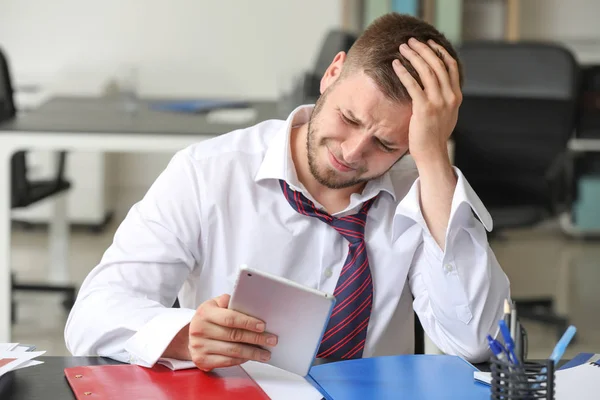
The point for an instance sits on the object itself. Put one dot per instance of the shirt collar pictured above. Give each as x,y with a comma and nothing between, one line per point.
278,163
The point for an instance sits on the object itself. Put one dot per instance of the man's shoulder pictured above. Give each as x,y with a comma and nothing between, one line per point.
251,141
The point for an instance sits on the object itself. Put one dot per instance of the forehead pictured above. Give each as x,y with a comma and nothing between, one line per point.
360,95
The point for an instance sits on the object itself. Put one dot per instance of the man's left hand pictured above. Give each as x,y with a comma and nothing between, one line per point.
434,107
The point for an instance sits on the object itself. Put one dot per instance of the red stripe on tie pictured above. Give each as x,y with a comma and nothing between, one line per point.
355,350
350,298
299,204
353,219
359,250
350,233
346,339
340,288
348,319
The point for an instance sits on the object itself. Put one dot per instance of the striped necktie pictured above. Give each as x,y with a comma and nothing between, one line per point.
347,328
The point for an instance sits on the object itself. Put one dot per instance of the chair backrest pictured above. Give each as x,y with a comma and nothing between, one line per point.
7,105
519,110
334,42
19,183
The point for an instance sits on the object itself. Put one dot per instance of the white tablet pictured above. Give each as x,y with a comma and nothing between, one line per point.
298,315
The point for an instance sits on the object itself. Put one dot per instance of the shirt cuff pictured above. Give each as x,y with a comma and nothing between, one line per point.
465,202
151,341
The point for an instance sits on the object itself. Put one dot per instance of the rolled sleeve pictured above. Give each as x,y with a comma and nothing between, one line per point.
459,291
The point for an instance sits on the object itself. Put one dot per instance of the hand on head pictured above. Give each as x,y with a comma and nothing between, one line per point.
435,105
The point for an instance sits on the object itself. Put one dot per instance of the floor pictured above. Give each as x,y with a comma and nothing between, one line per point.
538,262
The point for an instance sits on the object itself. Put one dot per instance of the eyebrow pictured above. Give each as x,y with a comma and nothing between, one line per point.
357,120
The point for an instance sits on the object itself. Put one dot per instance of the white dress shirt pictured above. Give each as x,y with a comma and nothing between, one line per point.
219,205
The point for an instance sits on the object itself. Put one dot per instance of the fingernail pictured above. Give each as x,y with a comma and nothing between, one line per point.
271,340
260,326
265,356
403,46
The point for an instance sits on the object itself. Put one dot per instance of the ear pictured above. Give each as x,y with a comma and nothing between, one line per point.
333,72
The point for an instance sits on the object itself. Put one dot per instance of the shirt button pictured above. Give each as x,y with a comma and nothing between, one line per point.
448,268
328,273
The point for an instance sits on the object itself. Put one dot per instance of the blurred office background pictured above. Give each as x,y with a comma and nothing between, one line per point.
257,50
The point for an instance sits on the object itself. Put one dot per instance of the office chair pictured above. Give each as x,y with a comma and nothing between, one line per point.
519,110
26,192
334,42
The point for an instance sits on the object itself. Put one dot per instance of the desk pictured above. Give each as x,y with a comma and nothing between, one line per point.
47,381
95,124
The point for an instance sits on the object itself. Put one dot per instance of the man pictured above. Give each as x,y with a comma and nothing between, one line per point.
326,198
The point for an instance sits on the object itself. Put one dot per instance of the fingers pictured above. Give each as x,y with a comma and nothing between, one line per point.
433,60
213,331
238,350
229,318
208,362
426,73
450,63
412,86
222,301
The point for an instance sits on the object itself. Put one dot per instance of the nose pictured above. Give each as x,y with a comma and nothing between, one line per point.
353,148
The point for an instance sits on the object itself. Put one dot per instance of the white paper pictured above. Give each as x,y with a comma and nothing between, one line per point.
279,384
485,377
19,358
581,382
30,363
8,346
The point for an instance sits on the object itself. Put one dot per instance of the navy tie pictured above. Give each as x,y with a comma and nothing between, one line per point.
347,328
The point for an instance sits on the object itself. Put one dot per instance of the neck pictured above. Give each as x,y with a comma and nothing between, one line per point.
334,200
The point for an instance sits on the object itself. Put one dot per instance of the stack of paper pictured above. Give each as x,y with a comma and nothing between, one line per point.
14,356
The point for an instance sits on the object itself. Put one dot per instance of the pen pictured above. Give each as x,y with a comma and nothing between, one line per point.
513,322
562,344
497,349
559,350
519,343
510,345
507,314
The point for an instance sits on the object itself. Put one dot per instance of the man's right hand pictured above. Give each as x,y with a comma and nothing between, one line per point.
220,337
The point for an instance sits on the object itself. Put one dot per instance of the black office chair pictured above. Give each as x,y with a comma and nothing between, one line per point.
518,113
26,192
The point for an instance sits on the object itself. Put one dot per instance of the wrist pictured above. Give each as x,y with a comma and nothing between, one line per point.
179,346
432,160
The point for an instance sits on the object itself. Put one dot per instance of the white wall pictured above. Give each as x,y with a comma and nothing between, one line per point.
232,48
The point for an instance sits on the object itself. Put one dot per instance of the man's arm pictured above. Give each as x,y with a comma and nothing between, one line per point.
130,293
459,291
458,286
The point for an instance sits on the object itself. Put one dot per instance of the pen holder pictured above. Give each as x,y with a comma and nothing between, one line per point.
529,380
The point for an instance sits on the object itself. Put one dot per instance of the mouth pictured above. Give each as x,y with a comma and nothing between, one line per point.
337,164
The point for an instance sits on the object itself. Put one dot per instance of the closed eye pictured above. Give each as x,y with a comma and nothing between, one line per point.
348,120
384,147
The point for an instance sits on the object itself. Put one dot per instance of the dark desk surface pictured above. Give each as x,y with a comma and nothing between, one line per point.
108,116
47,381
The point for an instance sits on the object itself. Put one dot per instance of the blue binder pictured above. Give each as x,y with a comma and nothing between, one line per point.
579,359
415,377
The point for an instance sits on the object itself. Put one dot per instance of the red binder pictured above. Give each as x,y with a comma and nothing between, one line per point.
109,382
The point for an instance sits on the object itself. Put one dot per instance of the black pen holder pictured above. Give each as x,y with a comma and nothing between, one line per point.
529,380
